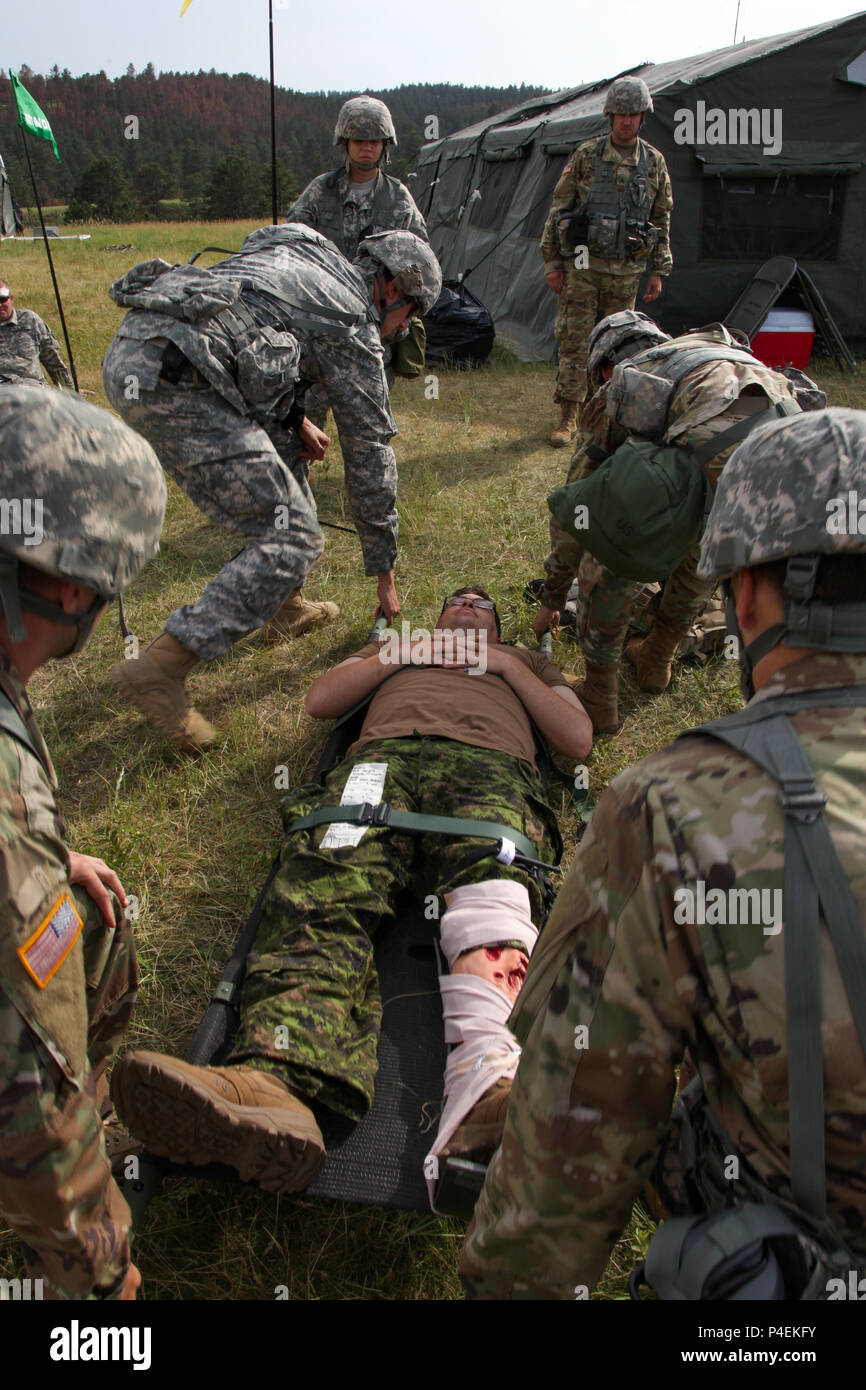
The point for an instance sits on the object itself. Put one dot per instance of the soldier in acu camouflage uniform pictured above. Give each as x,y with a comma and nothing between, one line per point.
709,399
613,202
627,979
207,365
25,342
67,963
357,200
441,743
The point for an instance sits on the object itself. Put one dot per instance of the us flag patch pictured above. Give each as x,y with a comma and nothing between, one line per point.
51,942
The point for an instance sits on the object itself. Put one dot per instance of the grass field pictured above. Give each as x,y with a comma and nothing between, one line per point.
193,838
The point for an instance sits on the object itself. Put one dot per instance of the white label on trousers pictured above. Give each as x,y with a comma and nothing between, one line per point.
366,782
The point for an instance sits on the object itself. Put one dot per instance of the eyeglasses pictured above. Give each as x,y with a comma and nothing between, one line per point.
4,295
467,601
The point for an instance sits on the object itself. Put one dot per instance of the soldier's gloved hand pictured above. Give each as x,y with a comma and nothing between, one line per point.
545,618
315,442
96,878
556,280
388,600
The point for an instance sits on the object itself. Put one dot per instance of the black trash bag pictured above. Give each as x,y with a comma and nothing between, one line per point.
460,331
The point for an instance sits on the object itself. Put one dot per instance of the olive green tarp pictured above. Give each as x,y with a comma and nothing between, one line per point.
799,189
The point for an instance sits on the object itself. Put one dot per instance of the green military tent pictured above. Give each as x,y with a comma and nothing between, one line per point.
766,146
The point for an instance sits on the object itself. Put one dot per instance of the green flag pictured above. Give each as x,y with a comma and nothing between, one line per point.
29,114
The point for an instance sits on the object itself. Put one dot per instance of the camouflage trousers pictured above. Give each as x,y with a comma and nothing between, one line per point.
312,974
241,476
586,297
605,601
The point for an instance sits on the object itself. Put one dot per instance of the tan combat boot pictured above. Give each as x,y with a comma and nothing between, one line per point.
652,656
154,684
295,617
481,1131
239,1116
598,692
565,430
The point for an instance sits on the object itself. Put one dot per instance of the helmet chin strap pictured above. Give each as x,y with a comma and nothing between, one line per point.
13,599
756,651
818,626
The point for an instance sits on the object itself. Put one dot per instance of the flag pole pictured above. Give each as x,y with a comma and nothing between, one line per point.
273,117
50,262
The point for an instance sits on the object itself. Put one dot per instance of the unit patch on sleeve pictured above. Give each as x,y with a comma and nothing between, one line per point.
52,941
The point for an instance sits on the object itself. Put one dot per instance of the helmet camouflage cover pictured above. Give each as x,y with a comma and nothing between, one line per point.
365,118
627,95
410,262
91,491
620,336
786,491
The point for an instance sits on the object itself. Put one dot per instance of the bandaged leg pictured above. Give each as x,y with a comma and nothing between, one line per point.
487,935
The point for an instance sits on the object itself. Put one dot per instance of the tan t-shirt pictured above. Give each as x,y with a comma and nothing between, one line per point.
433,701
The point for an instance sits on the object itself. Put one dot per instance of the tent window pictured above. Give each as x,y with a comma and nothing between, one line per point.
855,71
792,215
533,223
497,184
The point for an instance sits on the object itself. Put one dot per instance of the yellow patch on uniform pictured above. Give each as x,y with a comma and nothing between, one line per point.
52,941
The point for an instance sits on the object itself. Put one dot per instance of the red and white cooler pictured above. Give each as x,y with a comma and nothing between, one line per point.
785,339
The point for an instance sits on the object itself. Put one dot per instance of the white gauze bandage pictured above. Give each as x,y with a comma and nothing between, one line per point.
474,1010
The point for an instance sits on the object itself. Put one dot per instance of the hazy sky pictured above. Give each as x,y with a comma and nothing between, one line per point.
339,45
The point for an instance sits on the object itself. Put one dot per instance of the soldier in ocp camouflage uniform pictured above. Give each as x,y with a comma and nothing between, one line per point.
705,402
443,740
25,342
613,201
627,979
67,963
206,366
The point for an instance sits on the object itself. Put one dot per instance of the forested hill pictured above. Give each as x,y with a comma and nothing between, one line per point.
188,124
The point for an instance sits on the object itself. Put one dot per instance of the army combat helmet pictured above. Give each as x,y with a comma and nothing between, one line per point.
627,95
84,499
794,490
365,118
410,262
620,336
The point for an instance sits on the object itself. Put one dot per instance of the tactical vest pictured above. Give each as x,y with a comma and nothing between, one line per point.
233,322
642,388
739,1240
615,225
331,202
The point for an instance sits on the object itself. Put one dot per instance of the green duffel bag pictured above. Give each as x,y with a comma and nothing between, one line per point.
640,512
407,354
